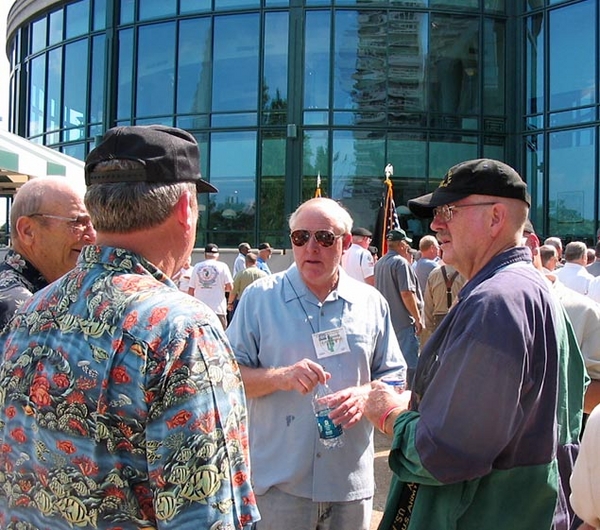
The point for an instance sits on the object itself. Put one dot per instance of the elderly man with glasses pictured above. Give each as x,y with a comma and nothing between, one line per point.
292,331
496,404
49,225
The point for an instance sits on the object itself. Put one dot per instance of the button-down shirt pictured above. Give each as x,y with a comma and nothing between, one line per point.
122,406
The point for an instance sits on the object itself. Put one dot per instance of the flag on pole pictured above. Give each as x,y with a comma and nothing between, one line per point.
388,217
318,190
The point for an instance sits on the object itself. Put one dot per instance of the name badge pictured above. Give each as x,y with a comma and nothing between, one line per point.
330,342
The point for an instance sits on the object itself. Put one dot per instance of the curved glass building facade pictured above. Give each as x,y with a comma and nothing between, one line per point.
278,92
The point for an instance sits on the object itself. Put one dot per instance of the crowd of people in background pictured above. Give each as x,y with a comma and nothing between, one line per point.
140,389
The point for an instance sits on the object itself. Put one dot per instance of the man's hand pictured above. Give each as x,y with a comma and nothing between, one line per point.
348,405
302,376
384,405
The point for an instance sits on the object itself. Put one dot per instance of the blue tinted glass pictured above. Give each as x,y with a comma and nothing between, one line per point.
127,11
274,94
78,18
573,55
535,51
494,73
235,176
156,8
38,35
99,21
37,95
222,5
235,63
125,75
194,66
316,60
74,99
97,79
55,31
156,70
194,6
53,100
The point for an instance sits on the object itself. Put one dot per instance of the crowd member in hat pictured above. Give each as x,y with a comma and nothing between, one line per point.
243,279
210,281
240,260
491,405
396,280
556,242
264,254
121,403
357,261
291,331
49,225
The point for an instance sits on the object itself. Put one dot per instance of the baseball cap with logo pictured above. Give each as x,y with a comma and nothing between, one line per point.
398,235
211,248
482,176
360,231
167,154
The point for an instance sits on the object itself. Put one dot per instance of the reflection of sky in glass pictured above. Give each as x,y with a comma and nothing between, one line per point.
276,58
572,55
235,176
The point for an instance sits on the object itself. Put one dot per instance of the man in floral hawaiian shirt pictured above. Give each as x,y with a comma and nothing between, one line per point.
121,405
48,227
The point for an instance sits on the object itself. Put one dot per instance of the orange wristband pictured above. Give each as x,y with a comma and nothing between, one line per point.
385,416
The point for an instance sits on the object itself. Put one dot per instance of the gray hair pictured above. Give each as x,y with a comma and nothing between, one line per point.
126,207
575,250
335,209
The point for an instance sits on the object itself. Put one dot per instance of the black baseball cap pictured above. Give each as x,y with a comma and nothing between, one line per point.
264,246
360,231
211,248
482,176
168,155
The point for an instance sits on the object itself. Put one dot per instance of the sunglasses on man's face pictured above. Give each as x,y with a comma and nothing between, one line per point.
325,238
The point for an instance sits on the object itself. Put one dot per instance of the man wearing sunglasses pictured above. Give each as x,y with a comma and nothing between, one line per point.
313,324
496,395
49,225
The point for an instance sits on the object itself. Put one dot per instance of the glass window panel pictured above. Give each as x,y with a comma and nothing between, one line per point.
358,173
316,60
407,52
493,147
454,68
350,61
407,153
463,4
447,150
240,119
194,6
315,154
194,66
75,150
234,207
272,182
157,8
38,35
222,5
572,188
37,95
97,79
99,21
156,70
74,99
236,53
127,11
494,73
275,70
277,3
316,118
534,175
534,67
78,18
495,6
125,74
193,122
573,55
53,97
55,31
573,117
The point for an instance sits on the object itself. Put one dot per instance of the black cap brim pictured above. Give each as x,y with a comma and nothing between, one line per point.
423,206
205,187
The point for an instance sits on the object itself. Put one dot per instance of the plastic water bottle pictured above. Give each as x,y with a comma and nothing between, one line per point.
331,435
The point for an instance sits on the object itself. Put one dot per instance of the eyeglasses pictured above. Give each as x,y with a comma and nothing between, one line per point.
76,224
446,211
325,238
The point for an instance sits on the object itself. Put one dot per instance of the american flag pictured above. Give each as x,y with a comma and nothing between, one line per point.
387,217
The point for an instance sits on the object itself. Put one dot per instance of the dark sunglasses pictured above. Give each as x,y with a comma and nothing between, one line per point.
325,238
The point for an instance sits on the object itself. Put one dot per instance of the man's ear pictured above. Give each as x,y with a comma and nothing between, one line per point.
347,242
185,209
26,229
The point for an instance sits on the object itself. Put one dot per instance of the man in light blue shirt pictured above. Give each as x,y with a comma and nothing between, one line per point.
291,331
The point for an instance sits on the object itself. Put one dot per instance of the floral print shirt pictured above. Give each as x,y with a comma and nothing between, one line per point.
19,279
121,406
